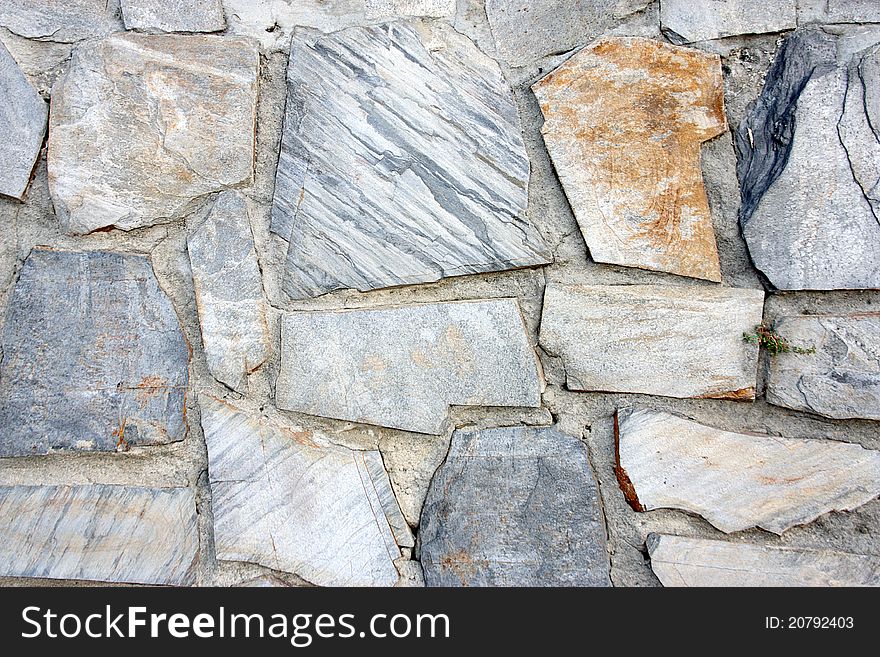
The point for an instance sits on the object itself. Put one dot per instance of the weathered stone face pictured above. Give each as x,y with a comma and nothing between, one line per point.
402,162
290,500
23,116
680,561
804,149
737,481
624,121
839,11
403,366
142,125
687,21
841,379
229,292
122,534
669,341
93,356
173,15
434,8
59,20
514,507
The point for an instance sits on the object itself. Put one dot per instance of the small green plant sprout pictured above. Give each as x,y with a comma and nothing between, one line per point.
774,343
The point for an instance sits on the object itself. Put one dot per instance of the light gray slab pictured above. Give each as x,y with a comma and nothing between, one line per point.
735,480
93,356
841,379
141,125
680,561
656,340
229,292
23,118
402,162
839,11
60,20
429,8
122,534
173,15
288,499
686,21
514,507
403,366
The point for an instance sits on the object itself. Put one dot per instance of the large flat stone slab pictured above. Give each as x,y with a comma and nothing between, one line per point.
141,125
93,356
173,15
404,366
229,292
680,561
59,20
808,168
687,21
737,481
841,379
121,534
514,506
839,11
290,500
23,118
623,122
402,162
655,340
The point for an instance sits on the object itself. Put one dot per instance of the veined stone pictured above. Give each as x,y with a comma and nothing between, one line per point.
737,481
526,30
802,148
841,379
141,125
655,340
679,561
403,366
59,20
624,121
402,162
288,499
93,356
514,507
123,534
431,8
23,116
174,15
839,11
229,292
690,21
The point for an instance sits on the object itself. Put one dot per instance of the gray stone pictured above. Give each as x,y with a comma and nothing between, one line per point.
807,221
431,8
686,21
841,379
680,561
229,292
838,11
403,366
121,534
93,356
23,117
401,162
141,125
526,30
735,480
288,499
411,461
60,20
514,507
174,15
655,340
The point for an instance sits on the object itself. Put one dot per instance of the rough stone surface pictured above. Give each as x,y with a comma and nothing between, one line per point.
290,500
434,8
229,292
23,117
411,460
680,561
143,124
839,11
122,534
841,379
514,507
670,341
402,367
625,118
93,356
59,20
526,30
807,221
737,481
401,162
173,15
686,21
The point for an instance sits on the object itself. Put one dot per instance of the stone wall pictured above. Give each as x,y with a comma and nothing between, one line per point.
395,292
